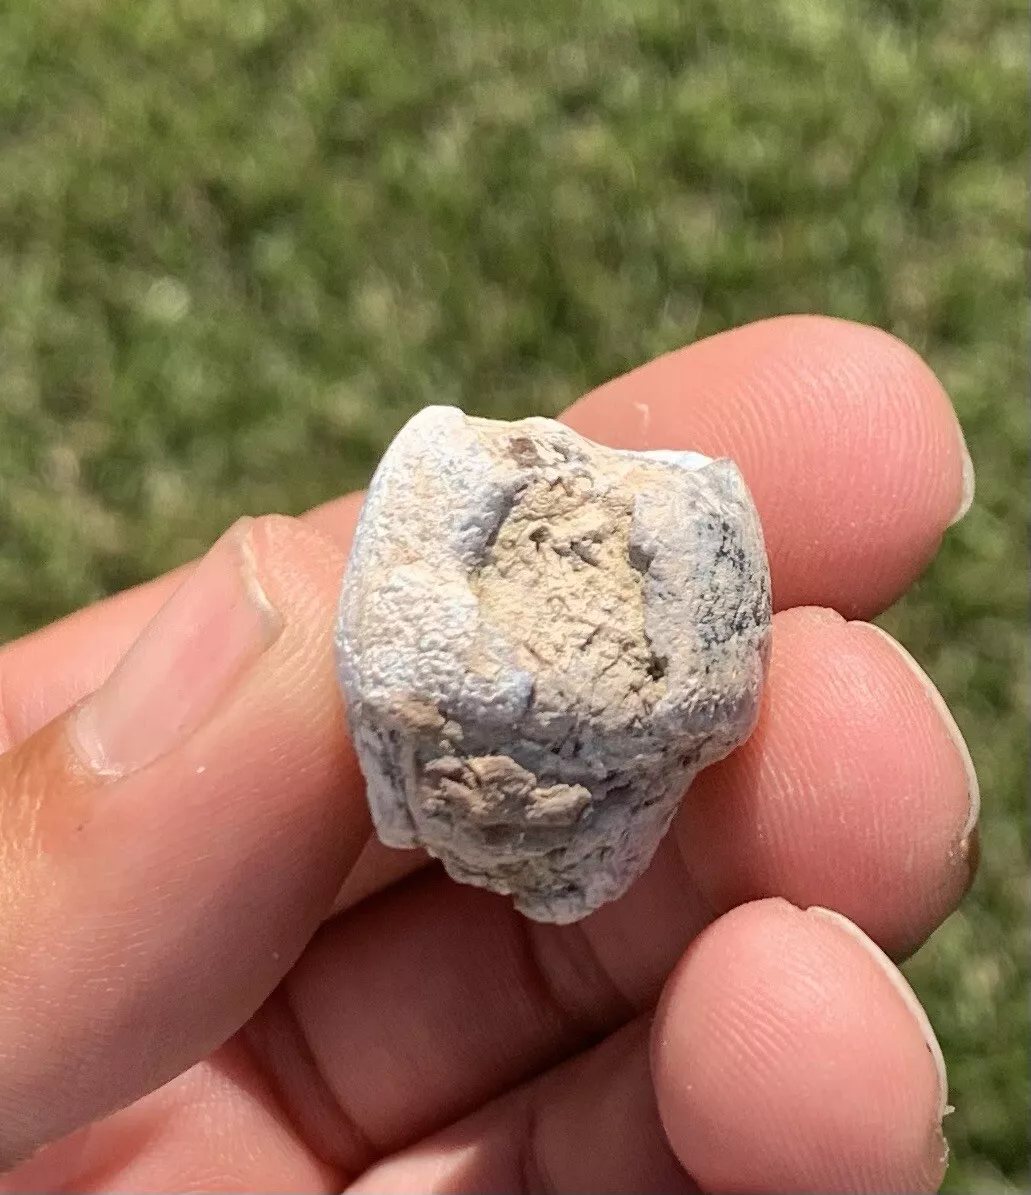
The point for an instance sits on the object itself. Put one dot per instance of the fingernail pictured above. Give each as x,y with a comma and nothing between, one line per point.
966,499
209,632
973,787
900,985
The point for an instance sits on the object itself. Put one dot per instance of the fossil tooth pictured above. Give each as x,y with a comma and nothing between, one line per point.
540,642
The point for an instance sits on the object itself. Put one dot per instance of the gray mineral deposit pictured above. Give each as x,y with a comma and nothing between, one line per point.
540,643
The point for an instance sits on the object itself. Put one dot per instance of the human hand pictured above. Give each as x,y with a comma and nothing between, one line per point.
172,847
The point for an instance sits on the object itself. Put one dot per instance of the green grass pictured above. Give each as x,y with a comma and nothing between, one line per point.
241,240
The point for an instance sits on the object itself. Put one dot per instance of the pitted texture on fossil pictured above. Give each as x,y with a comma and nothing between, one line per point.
540,642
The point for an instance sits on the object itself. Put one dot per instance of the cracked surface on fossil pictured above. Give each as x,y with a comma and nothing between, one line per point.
540,642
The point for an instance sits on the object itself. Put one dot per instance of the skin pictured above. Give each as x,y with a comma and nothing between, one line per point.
213,979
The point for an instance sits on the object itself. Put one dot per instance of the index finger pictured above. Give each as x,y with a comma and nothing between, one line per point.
849,444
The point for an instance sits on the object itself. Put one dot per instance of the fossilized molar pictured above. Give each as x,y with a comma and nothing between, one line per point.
540,643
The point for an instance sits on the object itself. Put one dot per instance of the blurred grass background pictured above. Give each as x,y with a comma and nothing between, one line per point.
242,240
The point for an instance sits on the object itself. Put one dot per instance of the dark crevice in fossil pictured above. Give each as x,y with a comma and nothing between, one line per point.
504,514
641,561
656,668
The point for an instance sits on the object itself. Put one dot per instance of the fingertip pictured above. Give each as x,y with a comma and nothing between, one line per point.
852,791
847,440
951,738
337,519
784,1058
902,989
45,673
296,553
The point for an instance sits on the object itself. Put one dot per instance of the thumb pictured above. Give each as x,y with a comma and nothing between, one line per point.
169,846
